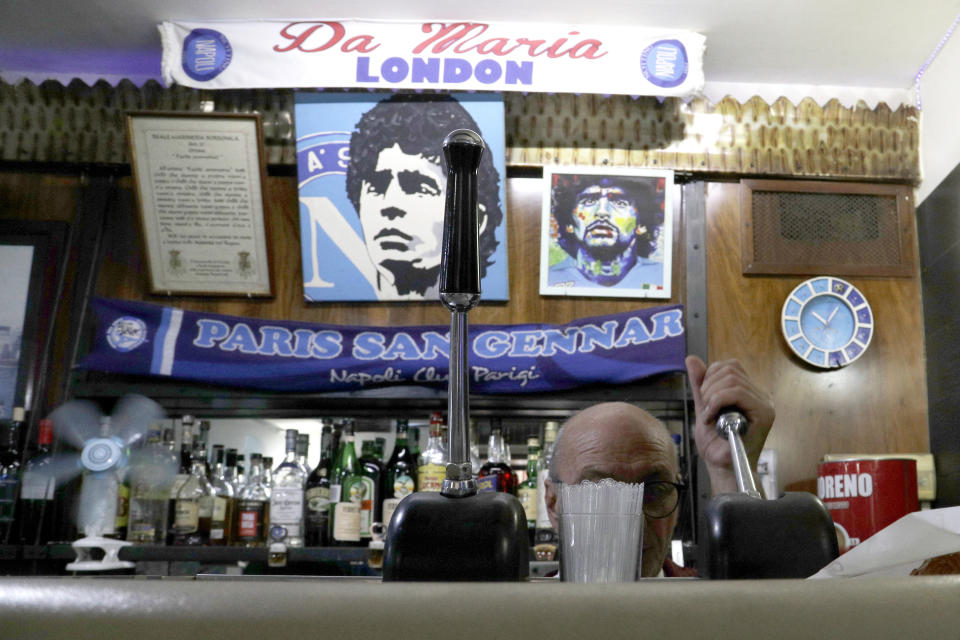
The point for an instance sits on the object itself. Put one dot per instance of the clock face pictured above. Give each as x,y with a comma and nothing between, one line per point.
827,322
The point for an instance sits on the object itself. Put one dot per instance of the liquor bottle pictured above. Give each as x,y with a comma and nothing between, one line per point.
369,490
152,472
413,441
286,497
496,474
122,518
527,490
252,508
221,521
546,537
432,465
475,462
232,472
317,494
303,448
344,512
194,510
266,474
242,470
203,434
183,474
400,473
38,490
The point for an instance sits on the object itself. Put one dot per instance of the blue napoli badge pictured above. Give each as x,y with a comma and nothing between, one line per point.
127,333
206,53
665,63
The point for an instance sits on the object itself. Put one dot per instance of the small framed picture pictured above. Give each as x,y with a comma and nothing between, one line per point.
200,183
606,232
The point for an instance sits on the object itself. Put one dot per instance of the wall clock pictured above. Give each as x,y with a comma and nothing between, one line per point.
827,322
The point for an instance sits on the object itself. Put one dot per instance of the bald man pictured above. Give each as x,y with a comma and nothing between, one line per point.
622,441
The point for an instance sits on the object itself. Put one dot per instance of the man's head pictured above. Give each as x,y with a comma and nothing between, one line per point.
623,442
607,222
396,182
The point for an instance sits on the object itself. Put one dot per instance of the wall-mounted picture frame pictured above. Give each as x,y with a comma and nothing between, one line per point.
31,278
606,232
371,180
199,182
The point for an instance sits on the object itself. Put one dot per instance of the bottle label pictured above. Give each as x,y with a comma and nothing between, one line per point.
389,506
402,486
178,481
249,519
488,483
528,498
430,477
363,491
318,499
205,507
217,533
346,522
141,532
37,486
286,505
335,491
219,510
187,516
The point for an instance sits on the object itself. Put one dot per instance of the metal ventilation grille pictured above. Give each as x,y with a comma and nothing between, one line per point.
805,231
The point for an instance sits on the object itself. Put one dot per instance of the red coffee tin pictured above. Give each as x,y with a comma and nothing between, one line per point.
865,495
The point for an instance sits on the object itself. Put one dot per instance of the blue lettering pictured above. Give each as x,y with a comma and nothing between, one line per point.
240,338
326,345
301,343
456,70
525,343
633,333
488,71
519,72
595,336
491,344
209,331
368,345
394,69
554,341
426,70
667,324
435,345
363,70
276,342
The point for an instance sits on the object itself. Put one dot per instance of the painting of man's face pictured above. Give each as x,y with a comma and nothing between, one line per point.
604,219
401,212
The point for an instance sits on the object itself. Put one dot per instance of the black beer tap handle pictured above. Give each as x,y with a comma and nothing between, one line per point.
460,271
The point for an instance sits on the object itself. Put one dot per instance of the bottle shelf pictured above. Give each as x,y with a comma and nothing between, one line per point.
203,555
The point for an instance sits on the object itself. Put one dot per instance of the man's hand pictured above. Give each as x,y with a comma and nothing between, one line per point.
724,384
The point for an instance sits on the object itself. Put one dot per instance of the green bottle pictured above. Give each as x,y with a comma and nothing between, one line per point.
369,491
400,477
527,491
344,512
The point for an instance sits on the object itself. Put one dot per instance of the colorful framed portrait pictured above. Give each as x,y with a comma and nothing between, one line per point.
606,232
371,180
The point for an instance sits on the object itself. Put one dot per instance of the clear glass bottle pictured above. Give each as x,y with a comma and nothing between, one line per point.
183,473
475,462
432,465
546,538
527,490
317,494
266,474
286,497
221,521
303,449
152,472
38,490
400,473
344,512
242,470
194,510
252,508
496,474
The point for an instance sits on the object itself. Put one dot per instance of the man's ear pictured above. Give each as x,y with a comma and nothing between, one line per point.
550,498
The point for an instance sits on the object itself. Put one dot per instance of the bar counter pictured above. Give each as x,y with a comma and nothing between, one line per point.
104,608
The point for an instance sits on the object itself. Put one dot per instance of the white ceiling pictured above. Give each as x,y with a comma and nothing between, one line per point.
862,44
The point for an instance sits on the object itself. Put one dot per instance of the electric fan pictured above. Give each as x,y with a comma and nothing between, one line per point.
103,451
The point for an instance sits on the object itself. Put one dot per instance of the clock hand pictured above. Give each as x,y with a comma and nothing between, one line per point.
832,313
817,316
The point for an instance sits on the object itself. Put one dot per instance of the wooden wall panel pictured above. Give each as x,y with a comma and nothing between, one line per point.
878,404
124,276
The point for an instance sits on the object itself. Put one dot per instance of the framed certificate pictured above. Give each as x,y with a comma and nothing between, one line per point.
199,182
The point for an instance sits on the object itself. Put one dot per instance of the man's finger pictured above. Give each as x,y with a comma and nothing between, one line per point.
696,370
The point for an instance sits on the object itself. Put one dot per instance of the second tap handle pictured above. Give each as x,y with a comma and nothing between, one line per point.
460,270
731,424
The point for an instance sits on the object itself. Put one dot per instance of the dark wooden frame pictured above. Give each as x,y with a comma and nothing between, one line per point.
256,120
906,228
49,242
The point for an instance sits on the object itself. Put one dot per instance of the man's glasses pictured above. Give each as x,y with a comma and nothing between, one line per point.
660,498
